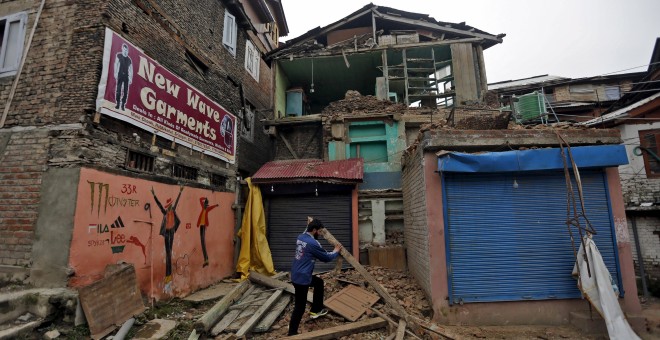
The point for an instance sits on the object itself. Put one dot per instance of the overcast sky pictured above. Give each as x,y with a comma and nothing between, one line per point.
570,38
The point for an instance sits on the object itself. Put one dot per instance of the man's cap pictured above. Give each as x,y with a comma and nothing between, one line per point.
315,224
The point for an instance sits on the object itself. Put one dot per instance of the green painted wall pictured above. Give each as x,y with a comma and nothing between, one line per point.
281,85
380,143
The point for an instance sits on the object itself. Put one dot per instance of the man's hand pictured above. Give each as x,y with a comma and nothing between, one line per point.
337,248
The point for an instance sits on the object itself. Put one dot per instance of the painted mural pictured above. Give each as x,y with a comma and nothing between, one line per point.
178,238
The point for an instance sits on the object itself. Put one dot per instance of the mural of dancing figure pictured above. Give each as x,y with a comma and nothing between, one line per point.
202,223
168,227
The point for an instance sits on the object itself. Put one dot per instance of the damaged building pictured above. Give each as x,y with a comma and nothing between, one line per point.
342,92
125,126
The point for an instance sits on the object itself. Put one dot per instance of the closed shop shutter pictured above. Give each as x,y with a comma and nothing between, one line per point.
287,218
507,235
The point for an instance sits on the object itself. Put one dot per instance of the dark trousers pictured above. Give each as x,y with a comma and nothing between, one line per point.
169,241
301,302
121,92
202,236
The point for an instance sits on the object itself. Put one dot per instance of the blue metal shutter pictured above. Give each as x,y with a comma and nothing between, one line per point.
287,218
508,243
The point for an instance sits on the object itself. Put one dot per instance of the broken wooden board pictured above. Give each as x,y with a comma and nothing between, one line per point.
247,312
343,330
211,293
267,321
351,302
155,329
111,300
254,319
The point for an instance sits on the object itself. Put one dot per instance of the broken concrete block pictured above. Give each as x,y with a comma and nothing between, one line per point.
52,334
25,317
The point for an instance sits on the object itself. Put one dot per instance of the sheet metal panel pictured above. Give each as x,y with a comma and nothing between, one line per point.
287,218
509,242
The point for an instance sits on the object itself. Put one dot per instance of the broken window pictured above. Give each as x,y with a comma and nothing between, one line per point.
252,58
139,161
12,35
229,33
247,122
612,92
185,172
649,141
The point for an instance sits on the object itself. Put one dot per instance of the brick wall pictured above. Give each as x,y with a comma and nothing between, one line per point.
648,229
22,164
416,231
305,140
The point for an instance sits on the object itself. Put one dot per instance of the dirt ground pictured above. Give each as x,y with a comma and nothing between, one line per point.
401,286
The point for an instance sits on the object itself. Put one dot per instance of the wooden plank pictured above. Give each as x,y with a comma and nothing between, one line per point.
267,321
401,330
218,310
244,315
343,330
232,314
351,302
111,300
389,300
394,324
247,327
270,282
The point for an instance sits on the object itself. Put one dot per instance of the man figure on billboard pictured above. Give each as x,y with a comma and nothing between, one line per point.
123,76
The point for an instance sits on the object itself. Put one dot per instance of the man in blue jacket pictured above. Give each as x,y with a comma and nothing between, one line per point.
308,250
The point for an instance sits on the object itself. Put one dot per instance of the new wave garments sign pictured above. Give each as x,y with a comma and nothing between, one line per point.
136,89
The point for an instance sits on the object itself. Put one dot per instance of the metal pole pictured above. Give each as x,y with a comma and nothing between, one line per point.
640,261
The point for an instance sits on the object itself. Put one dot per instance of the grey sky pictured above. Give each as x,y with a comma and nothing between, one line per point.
571,38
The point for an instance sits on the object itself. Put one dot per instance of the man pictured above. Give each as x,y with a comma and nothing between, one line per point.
168,227
123,76
308,250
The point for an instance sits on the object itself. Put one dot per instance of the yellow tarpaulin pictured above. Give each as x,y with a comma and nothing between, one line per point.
255,253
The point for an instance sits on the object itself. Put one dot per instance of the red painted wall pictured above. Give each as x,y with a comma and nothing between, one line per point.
117,219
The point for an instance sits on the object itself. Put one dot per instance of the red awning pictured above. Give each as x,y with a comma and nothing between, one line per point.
311,170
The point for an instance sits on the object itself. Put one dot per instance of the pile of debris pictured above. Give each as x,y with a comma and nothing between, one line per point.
355,103
255,306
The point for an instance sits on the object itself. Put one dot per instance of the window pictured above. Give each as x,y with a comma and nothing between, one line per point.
218,180
612,93
582,88
368,141
229,33
252,60
139,161
186,172
649,141
247,122
12,33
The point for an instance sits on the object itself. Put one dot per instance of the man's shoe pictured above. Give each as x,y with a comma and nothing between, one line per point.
318,314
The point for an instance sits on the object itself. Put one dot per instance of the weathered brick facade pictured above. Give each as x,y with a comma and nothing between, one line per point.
50,120
416,231
305,140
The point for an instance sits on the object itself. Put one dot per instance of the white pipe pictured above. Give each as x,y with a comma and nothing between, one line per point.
121,334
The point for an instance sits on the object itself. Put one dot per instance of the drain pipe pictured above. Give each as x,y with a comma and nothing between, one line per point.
640,261
20,67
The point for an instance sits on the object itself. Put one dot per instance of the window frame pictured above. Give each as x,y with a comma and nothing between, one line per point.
230,33
22,19
645,155
252,57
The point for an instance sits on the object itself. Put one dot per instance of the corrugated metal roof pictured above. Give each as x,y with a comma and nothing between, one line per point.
620,113
343,171
525,81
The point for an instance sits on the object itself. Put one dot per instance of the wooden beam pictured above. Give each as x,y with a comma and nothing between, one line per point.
293,120
273,283
268,320
394,324
437,27
389,300
343,330
401,330
288,146
221,325
247,327
219,309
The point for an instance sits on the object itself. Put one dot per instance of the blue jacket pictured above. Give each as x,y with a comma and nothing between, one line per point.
308,250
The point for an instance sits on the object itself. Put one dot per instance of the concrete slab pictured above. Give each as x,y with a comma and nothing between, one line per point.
211,293
155,329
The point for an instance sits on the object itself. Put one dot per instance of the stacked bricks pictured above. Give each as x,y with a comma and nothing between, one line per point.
22,165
